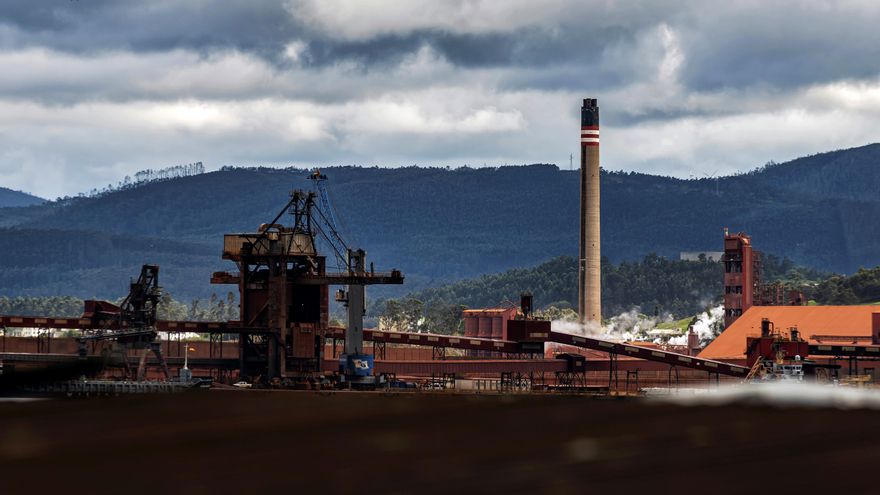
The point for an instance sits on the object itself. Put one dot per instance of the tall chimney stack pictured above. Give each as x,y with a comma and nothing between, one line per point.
589,258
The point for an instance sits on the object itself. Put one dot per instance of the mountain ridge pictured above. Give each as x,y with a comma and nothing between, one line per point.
440,224
10,198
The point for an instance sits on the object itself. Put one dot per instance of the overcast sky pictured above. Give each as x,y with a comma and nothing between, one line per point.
91,91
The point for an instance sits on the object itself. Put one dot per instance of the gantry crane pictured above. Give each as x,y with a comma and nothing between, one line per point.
283,287
131,325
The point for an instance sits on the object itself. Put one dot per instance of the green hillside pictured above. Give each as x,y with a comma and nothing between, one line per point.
654,285
862,287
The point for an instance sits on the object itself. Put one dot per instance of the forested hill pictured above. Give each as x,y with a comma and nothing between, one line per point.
439,224
846,174
653,284
10,198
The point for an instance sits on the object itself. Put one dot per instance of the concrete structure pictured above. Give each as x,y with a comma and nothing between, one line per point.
589,255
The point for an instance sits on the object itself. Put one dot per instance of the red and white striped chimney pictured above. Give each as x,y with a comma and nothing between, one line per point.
589,256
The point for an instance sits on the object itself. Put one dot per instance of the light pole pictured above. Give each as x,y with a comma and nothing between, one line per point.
185,373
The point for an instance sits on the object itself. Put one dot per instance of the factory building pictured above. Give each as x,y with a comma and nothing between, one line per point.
742,280
741,271
488,323
818,325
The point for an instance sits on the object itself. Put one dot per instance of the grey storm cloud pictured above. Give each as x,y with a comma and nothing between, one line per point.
784,44
94,90
533,48
265,28
88,26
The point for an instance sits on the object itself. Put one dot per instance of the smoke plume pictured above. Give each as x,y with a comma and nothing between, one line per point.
633,326
707,327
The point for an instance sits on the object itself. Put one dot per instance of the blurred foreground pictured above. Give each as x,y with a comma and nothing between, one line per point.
251,442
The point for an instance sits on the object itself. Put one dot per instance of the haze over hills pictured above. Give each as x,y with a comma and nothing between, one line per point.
439,225
10,198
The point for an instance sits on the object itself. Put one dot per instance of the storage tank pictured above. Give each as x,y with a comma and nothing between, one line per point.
497,327
485,327
471,326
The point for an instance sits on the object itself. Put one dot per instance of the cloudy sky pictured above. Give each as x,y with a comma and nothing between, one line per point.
93,90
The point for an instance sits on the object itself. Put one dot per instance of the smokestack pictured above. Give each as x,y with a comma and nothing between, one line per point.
693,342
589,272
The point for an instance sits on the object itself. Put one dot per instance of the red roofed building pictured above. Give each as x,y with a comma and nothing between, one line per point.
817,324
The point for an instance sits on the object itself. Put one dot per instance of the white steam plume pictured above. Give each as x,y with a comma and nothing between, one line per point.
633,326
630,326
707,327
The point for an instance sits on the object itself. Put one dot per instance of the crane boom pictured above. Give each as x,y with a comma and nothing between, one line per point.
319,179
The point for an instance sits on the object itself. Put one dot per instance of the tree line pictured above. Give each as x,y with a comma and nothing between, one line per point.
215,308
655,285
141,178
863,287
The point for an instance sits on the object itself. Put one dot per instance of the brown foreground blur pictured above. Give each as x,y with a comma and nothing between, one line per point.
251,442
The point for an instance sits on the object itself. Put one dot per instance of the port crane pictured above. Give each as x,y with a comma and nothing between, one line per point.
327,212
129,326
355,365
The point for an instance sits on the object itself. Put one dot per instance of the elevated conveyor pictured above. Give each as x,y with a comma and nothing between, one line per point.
456,342
510,347
648,354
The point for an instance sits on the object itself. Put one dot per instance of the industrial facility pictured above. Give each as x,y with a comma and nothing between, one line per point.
742,280
283,338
